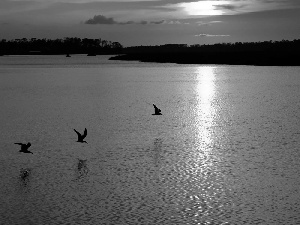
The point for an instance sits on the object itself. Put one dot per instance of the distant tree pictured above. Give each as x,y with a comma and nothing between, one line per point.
71,45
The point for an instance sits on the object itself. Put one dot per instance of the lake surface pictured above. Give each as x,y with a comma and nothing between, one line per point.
225,150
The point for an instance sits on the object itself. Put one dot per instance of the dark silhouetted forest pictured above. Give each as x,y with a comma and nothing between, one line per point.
277,53
269,53
59,46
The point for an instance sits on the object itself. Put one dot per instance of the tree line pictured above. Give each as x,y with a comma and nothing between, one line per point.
68,45
284,45
282,53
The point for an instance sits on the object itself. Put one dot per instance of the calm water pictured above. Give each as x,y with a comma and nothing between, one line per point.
225,150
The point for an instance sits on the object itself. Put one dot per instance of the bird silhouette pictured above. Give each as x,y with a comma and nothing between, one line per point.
24,147
157,110
81,136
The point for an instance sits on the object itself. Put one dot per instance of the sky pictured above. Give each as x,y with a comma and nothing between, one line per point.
152,22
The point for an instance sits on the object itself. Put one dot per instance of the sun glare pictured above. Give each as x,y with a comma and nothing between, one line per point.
205,115
204,7
205,92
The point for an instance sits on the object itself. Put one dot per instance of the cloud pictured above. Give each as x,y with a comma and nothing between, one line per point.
206,8
199,8
176,22
230,7
201,23
100,20
143,22
171,22
158,22
212,35
83,1
125,23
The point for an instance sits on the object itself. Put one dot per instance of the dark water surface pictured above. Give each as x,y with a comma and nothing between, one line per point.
225,150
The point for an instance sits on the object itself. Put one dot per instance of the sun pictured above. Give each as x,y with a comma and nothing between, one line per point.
204,7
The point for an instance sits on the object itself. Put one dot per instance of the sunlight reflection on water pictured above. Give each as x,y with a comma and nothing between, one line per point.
211,188
205,109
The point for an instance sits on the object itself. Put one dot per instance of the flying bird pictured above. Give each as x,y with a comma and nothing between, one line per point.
157,110
24,147
81,136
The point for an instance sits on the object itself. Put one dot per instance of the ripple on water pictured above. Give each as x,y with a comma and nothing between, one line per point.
225,150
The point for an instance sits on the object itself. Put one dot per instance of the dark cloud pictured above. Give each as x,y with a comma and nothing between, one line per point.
100,20
229,7
158,22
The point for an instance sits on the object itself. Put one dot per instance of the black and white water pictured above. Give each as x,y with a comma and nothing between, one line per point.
225,151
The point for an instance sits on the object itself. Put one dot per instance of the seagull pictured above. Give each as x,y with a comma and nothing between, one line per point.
80,136
24,147
157,110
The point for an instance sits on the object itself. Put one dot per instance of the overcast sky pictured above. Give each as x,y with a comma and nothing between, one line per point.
152,22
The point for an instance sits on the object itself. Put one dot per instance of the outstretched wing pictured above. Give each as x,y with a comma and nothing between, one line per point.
77,133
157,110
18,143
84,134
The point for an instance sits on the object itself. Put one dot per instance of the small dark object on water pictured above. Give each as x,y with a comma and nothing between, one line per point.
24,173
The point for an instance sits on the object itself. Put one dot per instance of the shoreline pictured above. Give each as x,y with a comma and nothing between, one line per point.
225,58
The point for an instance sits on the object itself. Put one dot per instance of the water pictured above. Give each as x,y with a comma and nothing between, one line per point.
225,150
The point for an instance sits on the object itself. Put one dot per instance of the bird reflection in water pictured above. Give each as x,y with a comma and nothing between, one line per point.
157,144
82,169
157,151
157,164
24,176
